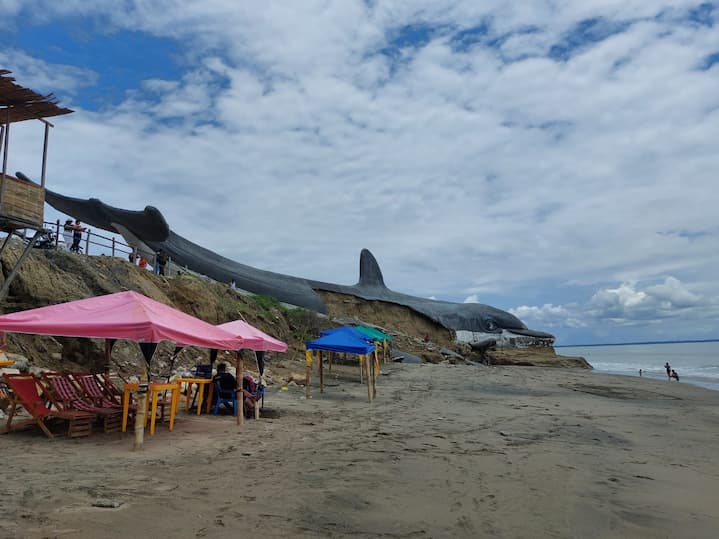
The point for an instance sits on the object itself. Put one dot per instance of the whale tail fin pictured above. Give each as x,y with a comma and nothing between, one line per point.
370,274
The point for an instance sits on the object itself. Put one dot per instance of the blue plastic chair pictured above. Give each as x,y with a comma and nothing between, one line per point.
224,396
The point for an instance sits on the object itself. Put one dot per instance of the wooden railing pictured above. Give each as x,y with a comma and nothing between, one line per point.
110,245
102,244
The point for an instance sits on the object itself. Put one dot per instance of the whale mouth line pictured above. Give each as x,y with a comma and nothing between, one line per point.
530,333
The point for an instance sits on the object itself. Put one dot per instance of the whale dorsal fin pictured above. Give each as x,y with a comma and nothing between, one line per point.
370,274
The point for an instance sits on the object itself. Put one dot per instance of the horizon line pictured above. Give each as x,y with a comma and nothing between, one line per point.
636,342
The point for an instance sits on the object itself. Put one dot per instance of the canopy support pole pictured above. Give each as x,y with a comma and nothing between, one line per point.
239,368
308,373
141,414
108,354
322,372
369,378
375,373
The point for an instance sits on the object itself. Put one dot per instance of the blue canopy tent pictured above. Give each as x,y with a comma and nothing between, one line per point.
342,339
356,332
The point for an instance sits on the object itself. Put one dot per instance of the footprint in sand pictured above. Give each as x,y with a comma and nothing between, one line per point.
465,524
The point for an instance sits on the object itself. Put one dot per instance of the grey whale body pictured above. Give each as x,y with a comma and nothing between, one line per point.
150,227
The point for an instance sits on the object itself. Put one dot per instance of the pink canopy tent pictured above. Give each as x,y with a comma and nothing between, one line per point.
253,338
256,340
124,315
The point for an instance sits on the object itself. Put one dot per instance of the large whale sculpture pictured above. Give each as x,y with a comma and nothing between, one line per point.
471,322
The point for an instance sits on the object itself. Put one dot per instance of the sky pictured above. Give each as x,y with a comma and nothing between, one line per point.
551,158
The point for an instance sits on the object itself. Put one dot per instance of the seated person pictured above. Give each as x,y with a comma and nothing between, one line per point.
229,383
250,394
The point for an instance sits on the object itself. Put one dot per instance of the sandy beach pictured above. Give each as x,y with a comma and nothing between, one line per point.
444,451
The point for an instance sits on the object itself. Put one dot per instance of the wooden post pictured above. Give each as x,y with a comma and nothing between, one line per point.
87,242
113,245
4,243
369,378
260,381
57,232
308,373
9,279
6,138
141,413
44,154
375,373
241,394
322,373
108,353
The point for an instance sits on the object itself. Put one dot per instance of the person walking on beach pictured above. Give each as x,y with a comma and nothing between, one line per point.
640,373
669,370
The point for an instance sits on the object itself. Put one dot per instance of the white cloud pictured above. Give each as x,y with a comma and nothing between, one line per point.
44,77
289,143
472,298
550,316
670,309
668,299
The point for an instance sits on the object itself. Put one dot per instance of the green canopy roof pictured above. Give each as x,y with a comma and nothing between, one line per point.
374,334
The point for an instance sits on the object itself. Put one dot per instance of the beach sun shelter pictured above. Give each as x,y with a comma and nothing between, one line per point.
377,336
343,339
253,338
259,342
123,315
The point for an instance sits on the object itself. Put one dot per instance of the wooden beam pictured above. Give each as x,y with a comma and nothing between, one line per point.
44,155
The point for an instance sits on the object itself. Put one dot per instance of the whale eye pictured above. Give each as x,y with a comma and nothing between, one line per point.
491,325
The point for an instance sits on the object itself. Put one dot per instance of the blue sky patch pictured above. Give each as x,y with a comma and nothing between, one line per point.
463,40
704,14
414,35
585,34
709,61
121,59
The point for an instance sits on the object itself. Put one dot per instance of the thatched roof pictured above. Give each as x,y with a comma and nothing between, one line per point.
23,103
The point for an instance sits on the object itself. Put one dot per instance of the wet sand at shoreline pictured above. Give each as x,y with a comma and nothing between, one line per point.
444,451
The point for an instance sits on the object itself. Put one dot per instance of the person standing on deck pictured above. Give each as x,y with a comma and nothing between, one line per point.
77,230
161,262
67,231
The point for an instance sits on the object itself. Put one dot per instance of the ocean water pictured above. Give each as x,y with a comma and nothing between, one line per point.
695,362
